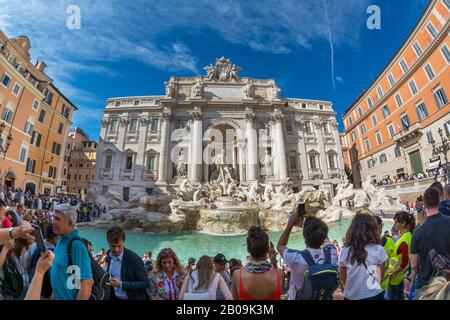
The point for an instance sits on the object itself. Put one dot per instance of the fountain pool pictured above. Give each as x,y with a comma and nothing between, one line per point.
194,244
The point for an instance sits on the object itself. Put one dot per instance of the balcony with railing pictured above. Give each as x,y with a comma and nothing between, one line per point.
334,172
128,174
149,174
106,173
315,173
409,134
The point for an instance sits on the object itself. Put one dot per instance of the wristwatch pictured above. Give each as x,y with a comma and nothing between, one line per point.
10,230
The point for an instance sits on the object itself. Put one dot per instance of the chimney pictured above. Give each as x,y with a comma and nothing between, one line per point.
41,65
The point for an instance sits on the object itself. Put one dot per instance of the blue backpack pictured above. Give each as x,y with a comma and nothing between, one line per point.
321,280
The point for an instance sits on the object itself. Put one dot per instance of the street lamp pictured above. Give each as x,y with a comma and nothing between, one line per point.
444,148
8,139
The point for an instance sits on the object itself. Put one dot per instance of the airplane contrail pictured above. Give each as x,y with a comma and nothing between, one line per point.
330,40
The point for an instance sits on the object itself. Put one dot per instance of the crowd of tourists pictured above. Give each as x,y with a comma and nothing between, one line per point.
413,177
412,261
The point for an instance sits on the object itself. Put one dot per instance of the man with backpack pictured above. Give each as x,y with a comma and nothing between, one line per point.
71,272
314,271
430,245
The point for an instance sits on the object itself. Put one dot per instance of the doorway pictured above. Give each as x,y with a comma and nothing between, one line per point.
416,162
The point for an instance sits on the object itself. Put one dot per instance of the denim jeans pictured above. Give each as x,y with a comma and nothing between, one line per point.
395,292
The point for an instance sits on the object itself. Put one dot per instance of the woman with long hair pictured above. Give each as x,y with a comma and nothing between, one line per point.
22,259
362,260
202,282
404,225
167,278
259,279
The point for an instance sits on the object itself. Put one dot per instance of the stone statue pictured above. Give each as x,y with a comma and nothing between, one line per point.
186,191
269,189
197,89
247,91
211,72
233,72
253,193
275,92
222,70
268,164
170,88
222,167
286,187
181,165
232,187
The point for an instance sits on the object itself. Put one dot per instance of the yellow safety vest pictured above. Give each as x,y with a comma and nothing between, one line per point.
395,260
389,249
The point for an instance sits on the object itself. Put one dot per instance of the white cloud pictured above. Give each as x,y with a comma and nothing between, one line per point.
340,79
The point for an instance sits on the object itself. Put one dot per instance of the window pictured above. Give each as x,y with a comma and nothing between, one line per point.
430,137
151,160
133,125
312,161
65,111
404,65
356,150
129,163
391,130
367,145
429,71
108,161
380,92
331,161
149,191
383,158
113,126
41,116
65,172
350,121
61,128
398,99
418,49
31,164
432,30
16,89
405,122
391,79
353,136
421,110
308,126
56,148
446,53
289,128
363,129
28,128
5,80
447,128
398,152
23,154
326,129
369,102
154,125
52,172
447,4
413,87
371,163
374,120
440,97
48,97
360,112
293,163
36,139
35,104
7,115
379,138
385,111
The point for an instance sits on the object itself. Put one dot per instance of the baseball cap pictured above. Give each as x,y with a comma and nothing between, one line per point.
220,259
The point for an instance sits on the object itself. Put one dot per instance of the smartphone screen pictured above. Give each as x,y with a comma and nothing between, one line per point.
301,209
39,238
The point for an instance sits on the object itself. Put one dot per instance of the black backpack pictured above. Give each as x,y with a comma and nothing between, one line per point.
12,283
320,280
47,289
101,290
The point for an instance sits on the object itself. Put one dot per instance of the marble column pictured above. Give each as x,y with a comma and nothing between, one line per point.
196,156
241,157
252,148
280,147
321,144
164,160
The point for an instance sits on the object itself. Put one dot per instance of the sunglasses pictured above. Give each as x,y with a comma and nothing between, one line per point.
166,253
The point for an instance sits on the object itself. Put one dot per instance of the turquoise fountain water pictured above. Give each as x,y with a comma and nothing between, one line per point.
195,245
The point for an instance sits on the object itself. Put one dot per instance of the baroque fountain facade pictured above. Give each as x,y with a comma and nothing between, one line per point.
219,153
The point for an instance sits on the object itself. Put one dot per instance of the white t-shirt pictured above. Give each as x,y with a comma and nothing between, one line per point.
210,292
297,264
360,284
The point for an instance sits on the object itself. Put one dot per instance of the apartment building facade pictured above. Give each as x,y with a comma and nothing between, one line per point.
390,128
35,115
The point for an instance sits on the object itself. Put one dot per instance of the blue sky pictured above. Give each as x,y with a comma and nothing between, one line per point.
127,48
